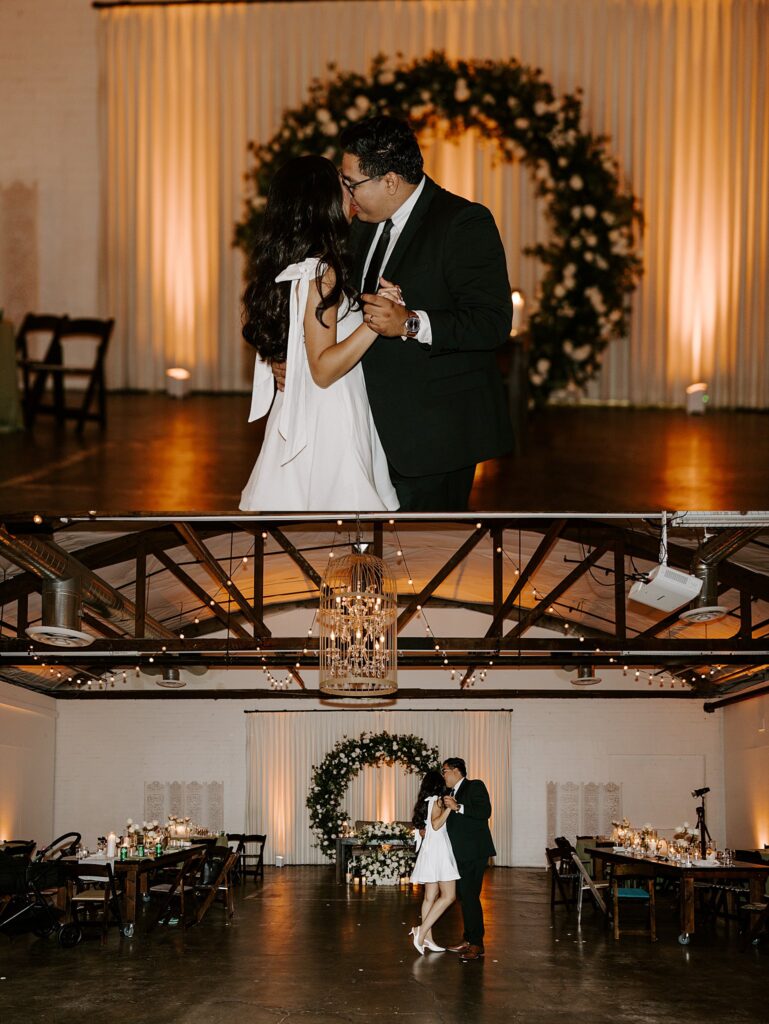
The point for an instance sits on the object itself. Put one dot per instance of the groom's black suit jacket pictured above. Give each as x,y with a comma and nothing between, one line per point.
469,831
442,407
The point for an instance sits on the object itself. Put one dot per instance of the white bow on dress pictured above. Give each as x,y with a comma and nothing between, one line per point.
292,424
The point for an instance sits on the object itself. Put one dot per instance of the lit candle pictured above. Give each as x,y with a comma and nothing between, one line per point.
111,845
518,306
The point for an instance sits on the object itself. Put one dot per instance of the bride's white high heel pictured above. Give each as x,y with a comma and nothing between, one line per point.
429,944
414,933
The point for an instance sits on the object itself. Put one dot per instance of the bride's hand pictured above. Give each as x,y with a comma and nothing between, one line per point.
390,291
279,373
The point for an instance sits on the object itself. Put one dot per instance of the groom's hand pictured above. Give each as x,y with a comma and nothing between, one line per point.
451,803
279,373
384,316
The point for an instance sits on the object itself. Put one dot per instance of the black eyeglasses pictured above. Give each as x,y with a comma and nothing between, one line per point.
352,185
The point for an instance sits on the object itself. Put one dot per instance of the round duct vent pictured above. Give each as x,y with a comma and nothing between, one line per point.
60,636
585,676
706,613
170,679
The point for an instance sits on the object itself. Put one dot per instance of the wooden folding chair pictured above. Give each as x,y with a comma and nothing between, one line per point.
248,863
563,877
55,366
219,882
95,889
183,885
34,340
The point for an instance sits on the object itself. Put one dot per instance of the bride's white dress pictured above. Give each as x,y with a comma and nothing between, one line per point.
435,860
321,450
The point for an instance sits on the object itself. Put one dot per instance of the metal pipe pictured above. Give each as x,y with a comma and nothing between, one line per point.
48,561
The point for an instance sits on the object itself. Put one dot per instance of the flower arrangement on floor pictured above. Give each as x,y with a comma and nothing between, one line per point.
590,266
331,778
383,865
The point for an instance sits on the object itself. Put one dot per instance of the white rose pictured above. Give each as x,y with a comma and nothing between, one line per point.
330,128
512,102
535,378
589,257
559,291
386,78
322,115
576,212
591,239
543,365
608,217
563,161
589,211
363,103
352,113
579,355
522,123
576,182
488,99
540,108
567,347
576,242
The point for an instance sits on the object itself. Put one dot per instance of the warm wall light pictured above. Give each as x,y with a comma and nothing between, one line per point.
519,304
178,382
697,398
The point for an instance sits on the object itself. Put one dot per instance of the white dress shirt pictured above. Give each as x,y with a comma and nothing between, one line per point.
399,218
455,790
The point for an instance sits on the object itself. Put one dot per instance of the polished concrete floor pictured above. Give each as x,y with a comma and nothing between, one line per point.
160,454
303,950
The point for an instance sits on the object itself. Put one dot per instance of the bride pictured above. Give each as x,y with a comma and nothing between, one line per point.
435,866
321,451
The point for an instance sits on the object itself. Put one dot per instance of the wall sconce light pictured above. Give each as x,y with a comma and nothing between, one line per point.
697,398
178,382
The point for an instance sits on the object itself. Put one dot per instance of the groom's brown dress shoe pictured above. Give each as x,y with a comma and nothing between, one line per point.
461,947
472,953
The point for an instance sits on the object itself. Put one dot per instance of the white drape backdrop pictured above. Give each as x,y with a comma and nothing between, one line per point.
282,747
679,85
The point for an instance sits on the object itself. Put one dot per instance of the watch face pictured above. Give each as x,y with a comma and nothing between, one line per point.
412,325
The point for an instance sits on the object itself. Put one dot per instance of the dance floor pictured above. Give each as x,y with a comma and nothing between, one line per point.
302,950
160,454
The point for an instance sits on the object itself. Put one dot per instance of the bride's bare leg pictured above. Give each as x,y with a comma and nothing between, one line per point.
430,895
448,893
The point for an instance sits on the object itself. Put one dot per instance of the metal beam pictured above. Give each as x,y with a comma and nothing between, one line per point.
296,556
197,591
199,551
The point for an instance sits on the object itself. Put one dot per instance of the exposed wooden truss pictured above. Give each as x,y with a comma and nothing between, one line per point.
609,544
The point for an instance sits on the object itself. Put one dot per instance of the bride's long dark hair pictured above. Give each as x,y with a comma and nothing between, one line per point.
432,785
304,217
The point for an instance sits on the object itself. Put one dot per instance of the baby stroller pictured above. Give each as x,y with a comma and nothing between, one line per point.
23,903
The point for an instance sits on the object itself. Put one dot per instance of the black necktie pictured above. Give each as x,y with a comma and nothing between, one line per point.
377,259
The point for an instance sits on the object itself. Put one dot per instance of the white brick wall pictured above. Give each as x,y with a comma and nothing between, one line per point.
106,750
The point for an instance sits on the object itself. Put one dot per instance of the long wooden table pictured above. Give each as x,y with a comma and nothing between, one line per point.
755,874
134,873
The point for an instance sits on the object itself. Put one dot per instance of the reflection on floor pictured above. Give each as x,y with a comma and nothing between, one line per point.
303,950
160,454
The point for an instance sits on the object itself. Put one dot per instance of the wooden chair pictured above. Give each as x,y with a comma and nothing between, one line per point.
219,882
95,891
586,884
182,886
621,875
248,863
563,877
54,365
34,340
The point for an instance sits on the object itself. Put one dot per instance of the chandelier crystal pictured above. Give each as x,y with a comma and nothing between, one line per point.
357,620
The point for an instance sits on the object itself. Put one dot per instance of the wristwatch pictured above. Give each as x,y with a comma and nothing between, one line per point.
413,323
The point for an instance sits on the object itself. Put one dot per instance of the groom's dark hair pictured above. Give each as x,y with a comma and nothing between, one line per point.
384,144
458,763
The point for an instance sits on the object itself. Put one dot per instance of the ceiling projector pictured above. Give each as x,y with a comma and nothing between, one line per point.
666,589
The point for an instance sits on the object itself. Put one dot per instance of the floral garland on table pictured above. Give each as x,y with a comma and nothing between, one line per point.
331,778
590,264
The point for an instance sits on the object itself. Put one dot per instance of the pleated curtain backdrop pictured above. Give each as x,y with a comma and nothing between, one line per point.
679,85
282,747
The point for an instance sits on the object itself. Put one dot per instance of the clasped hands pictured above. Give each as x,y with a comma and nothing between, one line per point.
383,312
451,803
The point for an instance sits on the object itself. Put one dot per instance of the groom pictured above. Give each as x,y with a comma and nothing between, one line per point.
468,828
432,380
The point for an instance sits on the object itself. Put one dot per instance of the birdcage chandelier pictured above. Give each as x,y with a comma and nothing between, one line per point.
357,623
